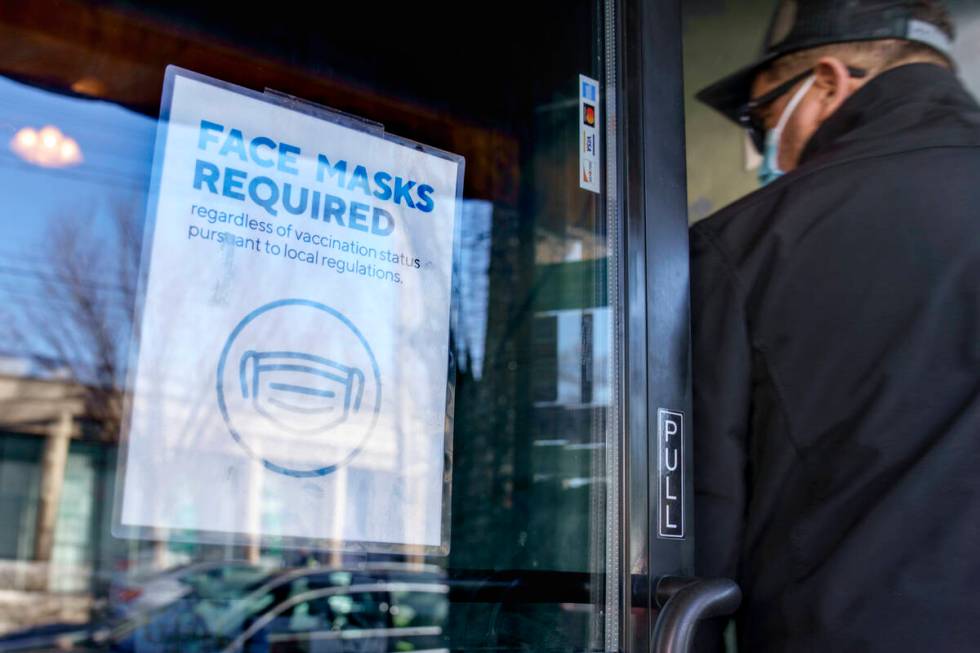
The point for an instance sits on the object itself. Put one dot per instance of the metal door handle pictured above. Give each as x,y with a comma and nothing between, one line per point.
686,601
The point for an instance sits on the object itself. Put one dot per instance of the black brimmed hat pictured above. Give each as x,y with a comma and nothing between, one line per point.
803,24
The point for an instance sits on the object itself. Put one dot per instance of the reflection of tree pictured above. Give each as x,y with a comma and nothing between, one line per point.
79,318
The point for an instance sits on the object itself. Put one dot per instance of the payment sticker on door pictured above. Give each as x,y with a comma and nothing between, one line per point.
292,380
588,118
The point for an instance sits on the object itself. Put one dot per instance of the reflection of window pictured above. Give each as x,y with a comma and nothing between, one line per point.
79,516
20,481
571,354
544,357
79,513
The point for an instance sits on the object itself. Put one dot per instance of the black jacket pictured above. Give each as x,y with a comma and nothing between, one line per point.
836,322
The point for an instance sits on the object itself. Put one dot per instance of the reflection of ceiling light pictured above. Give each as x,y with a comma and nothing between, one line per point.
89,86
46,147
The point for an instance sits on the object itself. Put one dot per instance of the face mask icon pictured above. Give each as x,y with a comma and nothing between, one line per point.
302,393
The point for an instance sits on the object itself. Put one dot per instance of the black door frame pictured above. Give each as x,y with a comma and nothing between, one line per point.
654,291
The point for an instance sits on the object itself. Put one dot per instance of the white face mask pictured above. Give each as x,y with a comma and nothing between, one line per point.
770,171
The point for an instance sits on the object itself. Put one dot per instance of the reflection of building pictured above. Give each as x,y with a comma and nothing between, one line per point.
55,500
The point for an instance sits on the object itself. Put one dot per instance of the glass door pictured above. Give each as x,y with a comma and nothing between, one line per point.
547,323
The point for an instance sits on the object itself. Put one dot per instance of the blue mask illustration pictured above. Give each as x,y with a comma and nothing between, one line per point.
299,392
770,171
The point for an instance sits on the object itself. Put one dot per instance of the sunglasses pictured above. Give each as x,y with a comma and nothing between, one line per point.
749,115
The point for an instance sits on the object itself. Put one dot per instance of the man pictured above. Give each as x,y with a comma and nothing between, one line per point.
836,326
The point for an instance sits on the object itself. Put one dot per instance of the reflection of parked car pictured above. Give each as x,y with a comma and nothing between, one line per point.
132,595
349,611
160,605
236,607
49,637
218,607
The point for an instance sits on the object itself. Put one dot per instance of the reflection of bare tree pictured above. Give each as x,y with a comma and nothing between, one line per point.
80,315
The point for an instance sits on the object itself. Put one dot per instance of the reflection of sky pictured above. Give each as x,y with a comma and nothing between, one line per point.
117,147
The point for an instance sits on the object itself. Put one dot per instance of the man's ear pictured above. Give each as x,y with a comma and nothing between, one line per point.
834,84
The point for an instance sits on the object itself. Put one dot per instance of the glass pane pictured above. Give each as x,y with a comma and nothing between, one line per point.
531,330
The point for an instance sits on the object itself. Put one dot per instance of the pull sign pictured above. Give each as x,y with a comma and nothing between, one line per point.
670,431
588,121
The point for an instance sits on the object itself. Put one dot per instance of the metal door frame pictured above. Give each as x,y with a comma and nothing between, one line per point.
653,287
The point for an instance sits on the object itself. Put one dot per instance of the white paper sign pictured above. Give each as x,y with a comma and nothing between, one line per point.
293,356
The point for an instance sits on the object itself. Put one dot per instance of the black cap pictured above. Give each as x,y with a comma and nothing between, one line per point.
803,24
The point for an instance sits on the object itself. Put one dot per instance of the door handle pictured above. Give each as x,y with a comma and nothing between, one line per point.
684,602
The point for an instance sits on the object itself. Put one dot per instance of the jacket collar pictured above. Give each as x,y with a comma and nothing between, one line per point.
892,110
